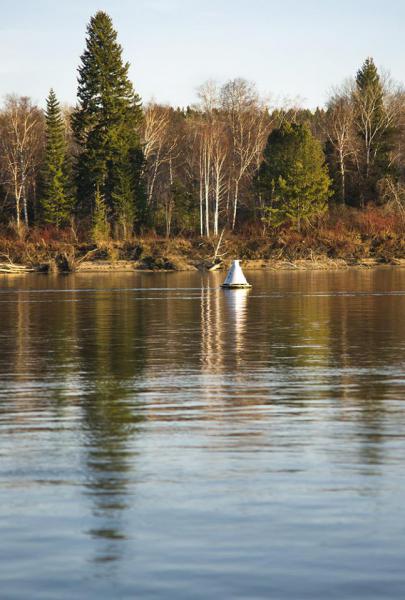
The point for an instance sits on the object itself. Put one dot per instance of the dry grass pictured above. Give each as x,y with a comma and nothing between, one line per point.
344,235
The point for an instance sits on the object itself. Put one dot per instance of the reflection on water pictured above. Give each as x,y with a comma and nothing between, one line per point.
223,320
236,301
161,436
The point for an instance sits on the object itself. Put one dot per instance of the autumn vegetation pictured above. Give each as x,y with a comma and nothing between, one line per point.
115,179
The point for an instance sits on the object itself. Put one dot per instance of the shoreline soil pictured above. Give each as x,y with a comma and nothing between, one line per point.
323,248
101,261
320,264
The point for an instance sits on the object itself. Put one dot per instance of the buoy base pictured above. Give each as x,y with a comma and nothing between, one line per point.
236,286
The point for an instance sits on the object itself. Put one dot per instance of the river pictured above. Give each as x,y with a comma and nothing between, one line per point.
163,438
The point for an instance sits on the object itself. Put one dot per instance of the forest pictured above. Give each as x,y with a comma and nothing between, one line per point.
277,180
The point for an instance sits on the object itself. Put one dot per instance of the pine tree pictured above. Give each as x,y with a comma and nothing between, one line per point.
374,129
105,126
56,201
293,179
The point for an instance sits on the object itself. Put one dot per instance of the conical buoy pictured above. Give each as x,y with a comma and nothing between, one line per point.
235,277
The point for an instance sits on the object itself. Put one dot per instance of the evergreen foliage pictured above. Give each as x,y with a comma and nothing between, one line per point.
56,201
101,227
368,78
105,126
293,179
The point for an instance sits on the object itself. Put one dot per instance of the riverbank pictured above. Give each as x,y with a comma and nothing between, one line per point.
366,239
99,260
92,262
320,264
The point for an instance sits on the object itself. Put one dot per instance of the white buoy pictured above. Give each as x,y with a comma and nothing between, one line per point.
235,277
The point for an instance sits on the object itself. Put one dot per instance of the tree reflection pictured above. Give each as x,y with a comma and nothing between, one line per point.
112,359
364,339
86,350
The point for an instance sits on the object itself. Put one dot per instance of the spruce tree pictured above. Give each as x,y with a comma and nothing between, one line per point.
293,179
56,204
105,126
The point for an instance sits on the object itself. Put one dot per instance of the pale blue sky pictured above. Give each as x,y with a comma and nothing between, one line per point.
288,47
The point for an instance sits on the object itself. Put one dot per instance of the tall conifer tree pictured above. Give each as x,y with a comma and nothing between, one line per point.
56,202
105,125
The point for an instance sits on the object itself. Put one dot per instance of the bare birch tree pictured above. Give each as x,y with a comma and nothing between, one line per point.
220,163
213,151
248,123
338,128
162,147
157,148
376,111
21,143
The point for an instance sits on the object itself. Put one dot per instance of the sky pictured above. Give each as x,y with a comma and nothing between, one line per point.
290,48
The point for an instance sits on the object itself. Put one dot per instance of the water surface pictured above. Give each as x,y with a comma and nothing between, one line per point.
163,438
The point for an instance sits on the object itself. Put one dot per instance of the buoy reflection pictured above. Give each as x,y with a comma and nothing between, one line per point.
223,326
236,301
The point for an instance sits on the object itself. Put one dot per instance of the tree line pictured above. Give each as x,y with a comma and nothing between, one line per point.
111,166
